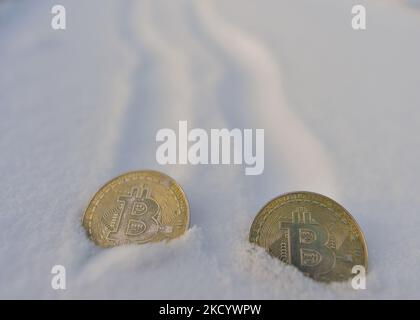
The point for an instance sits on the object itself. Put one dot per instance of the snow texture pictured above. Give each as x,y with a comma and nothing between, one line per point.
340,109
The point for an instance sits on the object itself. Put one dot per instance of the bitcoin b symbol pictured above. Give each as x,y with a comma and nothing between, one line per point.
138,219
303,243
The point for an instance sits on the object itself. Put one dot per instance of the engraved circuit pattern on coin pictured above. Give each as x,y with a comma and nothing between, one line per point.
313,233
137,207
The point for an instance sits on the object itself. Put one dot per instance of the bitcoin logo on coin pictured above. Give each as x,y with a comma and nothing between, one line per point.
137,207
313,233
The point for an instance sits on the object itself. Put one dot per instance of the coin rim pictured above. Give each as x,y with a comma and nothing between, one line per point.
177,185
327,198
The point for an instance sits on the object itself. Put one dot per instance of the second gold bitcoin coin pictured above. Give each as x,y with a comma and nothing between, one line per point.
135,208
313,233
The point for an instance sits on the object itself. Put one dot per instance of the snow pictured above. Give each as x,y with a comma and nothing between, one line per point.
340,109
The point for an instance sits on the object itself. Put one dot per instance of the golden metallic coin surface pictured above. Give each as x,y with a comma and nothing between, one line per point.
136,208
313,233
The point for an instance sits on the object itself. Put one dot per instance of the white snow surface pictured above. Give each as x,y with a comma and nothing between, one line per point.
340,109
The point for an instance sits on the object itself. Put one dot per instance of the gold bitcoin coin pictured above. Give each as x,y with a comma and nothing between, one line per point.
313,233
135,208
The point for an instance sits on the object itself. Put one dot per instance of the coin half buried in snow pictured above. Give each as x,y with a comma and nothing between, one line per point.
135,208
313,233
